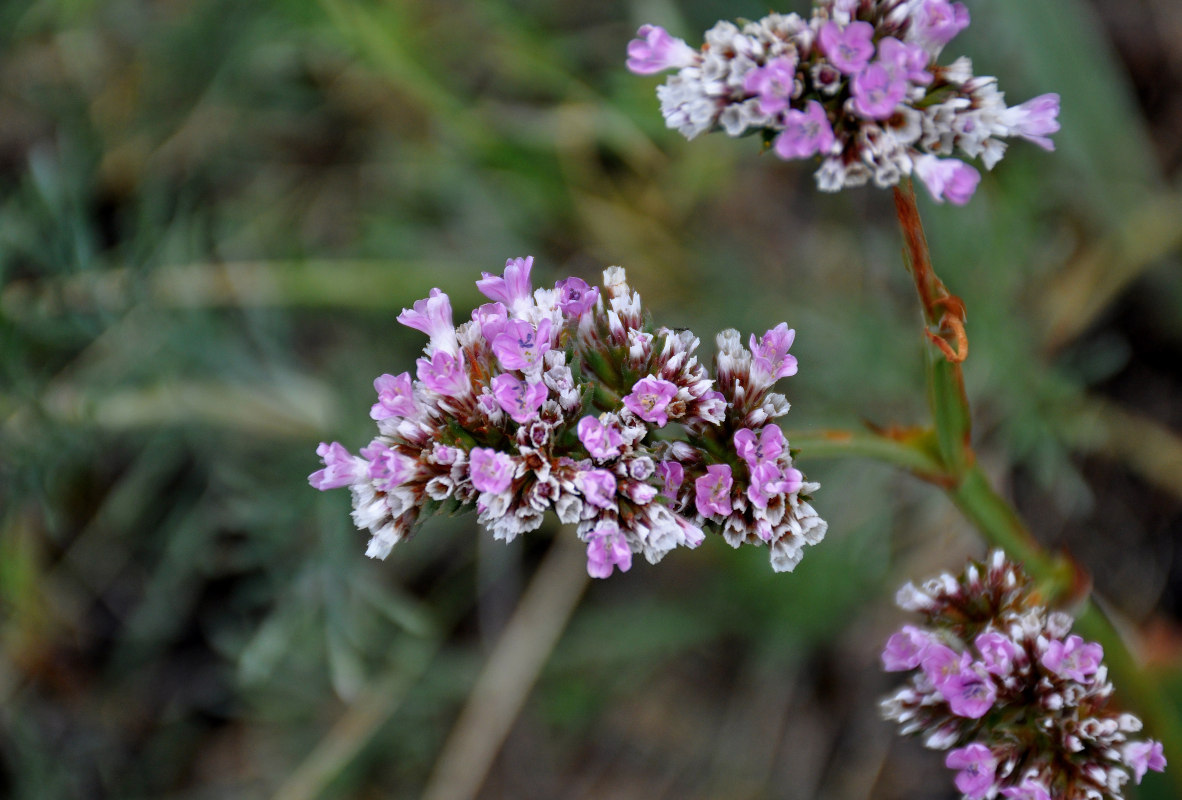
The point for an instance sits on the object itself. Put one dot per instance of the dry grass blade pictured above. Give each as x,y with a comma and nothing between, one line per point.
510,673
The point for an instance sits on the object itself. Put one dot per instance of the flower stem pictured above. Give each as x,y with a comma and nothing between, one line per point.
1061,580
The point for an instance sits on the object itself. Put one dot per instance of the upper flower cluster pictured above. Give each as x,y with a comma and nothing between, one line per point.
569,399
856,85
1001,679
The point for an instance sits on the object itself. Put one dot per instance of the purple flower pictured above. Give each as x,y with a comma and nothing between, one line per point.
712,491
388,468
978,768
395,397
649,398
936,22
518,399
606,548
905,649
520,346
601,441
805,133
492,318
910,60
770,358
514,289
1034,119
940,663
341,468
877,90
575,296
1072,659
598,487
491,471
773,83
997,652
1029,789
672,474
444,374
1142,756
432,316
947,178
969,692
657,51
768,481
767,447
849,49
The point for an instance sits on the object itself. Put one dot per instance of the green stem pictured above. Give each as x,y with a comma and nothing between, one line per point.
913,452
1059,579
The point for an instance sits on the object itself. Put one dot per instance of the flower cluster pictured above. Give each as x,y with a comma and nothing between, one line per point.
856,85
1023,702
568,399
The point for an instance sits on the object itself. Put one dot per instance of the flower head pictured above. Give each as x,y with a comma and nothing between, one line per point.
533,406
1023,692
856,86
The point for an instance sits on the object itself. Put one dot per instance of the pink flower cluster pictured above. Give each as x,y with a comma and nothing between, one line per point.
1020,703
569,400
855,85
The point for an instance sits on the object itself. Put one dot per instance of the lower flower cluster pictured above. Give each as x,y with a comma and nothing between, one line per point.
1019,701
569,400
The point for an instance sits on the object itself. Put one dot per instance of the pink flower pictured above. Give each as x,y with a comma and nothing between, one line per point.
1034,119
601,441
767,447
877,90
598,487
940,663
672,474
432,316
341,468
444,374
770,358
649,398
388,468
1072,659
520,346
1142,756
773,83
978,768
905,649
518,399
395,397
936,22
947,179
514,289
1029,789
805,133
492,318
849,49
657,51
491,471
910,60
969,693
997,652
768,481
575,296
607,548
712,491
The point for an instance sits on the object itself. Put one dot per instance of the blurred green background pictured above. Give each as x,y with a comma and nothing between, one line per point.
211,213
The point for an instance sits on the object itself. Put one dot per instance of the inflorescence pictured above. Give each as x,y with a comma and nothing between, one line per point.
855,85
569,399
1000,678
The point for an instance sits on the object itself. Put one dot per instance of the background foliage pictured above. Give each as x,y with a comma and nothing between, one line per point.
210,215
